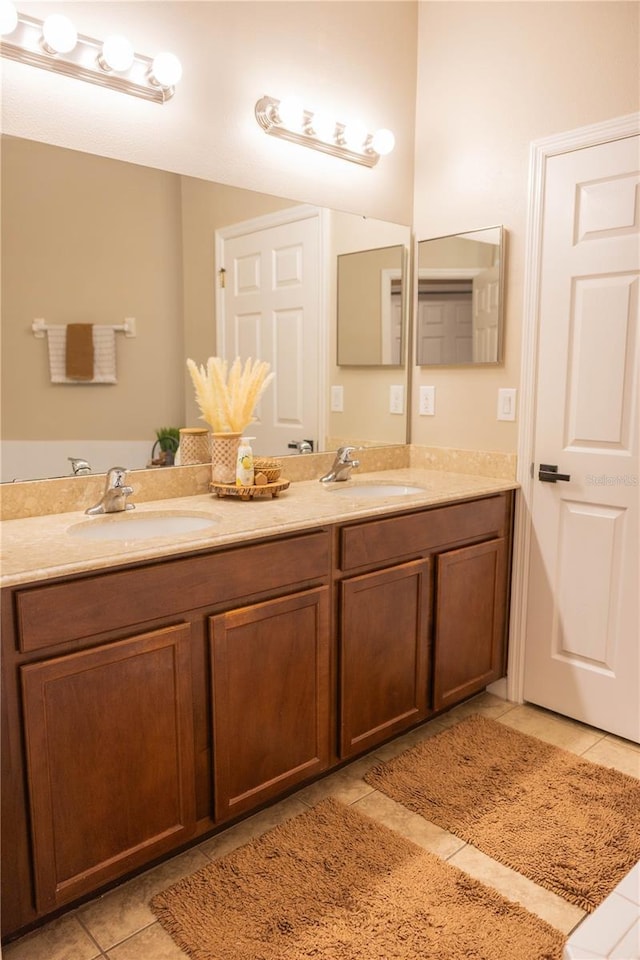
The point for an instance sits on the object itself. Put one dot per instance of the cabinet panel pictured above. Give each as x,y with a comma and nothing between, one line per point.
380,541
384,651
110,760
163,590
271,698
470,619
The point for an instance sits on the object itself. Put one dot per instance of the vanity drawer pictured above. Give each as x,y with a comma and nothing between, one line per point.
380,541
63,612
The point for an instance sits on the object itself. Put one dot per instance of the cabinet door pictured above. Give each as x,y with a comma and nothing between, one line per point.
384,654
271,698
109,736
469,638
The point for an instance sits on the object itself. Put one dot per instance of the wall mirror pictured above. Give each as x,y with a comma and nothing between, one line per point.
459,311
371,307
85,238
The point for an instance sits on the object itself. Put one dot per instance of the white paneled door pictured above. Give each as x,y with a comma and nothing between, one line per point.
582,640
269,309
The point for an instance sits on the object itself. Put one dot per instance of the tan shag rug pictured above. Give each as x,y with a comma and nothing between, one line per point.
332,884
570,825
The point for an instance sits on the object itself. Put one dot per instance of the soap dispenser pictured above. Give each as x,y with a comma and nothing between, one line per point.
244,466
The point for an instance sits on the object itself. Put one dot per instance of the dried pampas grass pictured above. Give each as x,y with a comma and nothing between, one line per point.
227,398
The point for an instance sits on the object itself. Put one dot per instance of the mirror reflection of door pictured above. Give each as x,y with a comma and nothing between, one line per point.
459,302
271,311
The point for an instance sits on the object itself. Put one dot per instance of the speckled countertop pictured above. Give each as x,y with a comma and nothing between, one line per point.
41,548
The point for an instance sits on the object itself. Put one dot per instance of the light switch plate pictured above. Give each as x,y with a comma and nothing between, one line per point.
337,399
506,403
396,398
427,406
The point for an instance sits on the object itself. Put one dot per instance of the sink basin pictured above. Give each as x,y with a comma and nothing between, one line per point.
144,526
375,490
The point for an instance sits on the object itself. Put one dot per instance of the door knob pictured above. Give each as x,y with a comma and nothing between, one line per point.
548,473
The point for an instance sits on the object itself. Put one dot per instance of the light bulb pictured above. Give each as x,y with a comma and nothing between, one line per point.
355,134
166,69
117,54
324,125
383,142
291,113
8,17
59,34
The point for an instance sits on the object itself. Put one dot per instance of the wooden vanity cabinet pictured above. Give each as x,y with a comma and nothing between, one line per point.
144,706
109,751
423,627
470,621
271,699
384,654
111,683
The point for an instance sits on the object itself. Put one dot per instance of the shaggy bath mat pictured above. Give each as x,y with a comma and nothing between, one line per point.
332,884
570,825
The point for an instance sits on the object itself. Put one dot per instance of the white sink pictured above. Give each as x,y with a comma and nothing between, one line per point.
143,526
374,489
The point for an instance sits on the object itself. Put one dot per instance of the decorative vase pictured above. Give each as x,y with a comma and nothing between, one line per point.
224,457
195,446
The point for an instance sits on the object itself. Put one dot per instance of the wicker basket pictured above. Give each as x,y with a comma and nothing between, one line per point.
270,468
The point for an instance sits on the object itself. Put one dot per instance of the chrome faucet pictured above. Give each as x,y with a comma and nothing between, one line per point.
342,466
79,466
114,498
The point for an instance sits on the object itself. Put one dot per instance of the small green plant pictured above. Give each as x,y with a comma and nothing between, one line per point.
168,439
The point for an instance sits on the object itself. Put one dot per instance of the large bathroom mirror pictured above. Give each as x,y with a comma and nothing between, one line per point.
371,307
459,313
87,239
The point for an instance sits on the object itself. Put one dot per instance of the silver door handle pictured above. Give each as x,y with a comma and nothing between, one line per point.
548,473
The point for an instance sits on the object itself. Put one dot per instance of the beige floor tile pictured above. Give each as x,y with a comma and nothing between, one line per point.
254,826
560,731
153,943
345,785
411,825
408,740
616,753
125,910
486,704
545,904
63,939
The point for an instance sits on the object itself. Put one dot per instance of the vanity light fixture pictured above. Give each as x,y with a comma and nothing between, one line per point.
54,44
289,120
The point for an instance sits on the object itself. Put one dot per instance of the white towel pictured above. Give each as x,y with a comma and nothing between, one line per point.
104,355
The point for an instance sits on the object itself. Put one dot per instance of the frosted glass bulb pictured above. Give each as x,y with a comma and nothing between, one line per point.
59,33
166,69
117,53
324,126
8,17
383,142
291,113
355,135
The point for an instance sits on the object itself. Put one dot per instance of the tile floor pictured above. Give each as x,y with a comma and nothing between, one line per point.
120,925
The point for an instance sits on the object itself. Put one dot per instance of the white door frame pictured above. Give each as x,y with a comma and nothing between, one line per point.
540,151
303,211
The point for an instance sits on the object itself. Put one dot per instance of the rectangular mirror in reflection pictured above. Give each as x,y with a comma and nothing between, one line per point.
459,317
371,307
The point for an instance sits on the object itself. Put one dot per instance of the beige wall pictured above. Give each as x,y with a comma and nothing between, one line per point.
337,55
86,240
493,77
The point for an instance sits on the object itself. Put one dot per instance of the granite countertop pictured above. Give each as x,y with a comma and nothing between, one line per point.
41,548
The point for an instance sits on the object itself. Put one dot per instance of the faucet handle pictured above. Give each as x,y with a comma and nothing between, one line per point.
343,454
115,477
